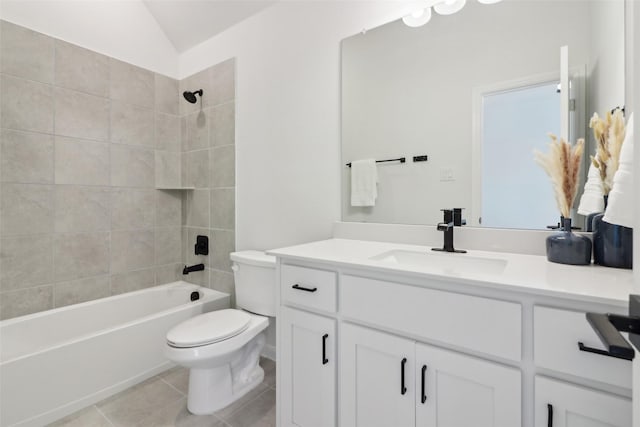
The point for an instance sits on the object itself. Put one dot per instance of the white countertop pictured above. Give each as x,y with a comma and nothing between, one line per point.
523,273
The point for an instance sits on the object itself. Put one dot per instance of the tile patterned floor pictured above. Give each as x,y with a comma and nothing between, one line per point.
161,401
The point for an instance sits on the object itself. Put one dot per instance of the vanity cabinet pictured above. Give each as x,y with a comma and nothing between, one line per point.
307,369
560,404
392,381
406,348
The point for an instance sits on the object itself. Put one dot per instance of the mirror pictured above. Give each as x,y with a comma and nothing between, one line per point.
475,92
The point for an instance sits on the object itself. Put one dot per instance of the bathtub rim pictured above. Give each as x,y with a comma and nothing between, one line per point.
208,295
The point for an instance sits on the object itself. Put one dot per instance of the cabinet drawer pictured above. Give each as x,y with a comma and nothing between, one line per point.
556,336
309,287
482,324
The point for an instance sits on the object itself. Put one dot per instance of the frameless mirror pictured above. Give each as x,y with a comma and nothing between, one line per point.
474,93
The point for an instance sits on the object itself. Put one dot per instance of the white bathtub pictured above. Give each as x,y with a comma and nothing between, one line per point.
56,362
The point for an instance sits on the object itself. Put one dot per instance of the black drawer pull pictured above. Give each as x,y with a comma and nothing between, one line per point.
586,349
324,349
424,375
302,288
403,389
549,415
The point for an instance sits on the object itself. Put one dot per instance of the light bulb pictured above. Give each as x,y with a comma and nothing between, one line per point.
417,18
449,7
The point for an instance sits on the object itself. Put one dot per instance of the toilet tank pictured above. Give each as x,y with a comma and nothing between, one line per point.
255,277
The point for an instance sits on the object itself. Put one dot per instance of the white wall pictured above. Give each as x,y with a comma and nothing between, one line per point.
288,114
124,30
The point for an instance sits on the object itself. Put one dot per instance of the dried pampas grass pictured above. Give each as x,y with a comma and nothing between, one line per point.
609,134
562,164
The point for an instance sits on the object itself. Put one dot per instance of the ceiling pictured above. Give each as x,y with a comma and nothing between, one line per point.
190,22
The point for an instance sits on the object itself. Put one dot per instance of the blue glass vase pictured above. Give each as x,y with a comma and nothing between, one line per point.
612,244
566,247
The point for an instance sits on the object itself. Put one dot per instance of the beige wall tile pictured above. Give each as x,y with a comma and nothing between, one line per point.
26,105
25,53
169,208
223,208
166,94
168,132
81,209
26,157
168,169
81,69
222,125
223,82
198,208
132,250
131,84
223,166
25,301
168,245
132,166
81,161
169,273
80,115
26,261
77,291
26,209
132,281
132,208
196,168
197,135
222,243
132,125
223,281
80,255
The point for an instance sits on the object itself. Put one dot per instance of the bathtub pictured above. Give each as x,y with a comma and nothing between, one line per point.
56,362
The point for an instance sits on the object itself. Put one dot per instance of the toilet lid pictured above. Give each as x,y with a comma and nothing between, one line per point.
208,328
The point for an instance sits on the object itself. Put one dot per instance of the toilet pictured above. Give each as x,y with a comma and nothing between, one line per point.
222,348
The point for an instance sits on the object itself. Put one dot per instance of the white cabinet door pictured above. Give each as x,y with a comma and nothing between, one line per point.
308,363
377,385
462,391
576,406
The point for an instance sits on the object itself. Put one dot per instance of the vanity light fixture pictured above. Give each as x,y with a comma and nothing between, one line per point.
443,7
418,18
449,7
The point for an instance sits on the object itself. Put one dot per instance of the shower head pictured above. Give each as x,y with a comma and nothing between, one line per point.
191,96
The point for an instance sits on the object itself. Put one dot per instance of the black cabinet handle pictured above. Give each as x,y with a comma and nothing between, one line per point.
302,288
424,375
403,389
584,348
324,349
549,415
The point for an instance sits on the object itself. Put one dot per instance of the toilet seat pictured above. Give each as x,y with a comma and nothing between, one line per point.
208,328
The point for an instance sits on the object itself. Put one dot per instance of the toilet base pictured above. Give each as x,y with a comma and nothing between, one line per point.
211,389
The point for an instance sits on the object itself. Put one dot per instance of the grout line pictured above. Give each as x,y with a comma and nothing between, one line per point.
183,395
103,414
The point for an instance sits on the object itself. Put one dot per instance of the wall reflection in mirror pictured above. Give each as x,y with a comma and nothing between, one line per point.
476,91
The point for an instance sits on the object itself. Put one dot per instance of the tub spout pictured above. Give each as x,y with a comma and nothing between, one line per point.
197,267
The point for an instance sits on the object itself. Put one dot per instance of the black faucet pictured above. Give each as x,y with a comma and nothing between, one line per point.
452,218
197,267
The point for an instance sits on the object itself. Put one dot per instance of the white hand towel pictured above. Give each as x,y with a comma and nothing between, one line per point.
620,207
592,200
364,178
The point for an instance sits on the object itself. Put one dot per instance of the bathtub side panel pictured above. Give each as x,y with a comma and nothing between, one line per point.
50,385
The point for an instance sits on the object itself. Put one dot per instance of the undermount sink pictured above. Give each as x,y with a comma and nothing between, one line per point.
448,263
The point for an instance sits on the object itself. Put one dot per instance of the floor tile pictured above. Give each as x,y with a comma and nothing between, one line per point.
269,367
260,412
86,417
139,402
178,377
228,411
176,414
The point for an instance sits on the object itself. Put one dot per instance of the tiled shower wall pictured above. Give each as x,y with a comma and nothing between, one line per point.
208,164
84,141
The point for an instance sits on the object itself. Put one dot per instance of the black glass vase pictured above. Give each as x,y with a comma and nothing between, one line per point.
566,247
